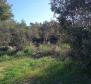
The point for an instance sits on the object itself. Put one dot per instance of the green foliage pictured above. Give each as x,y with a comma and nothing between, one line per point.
70,10
20,53
5,10
28,51
76,30
4,58
41,71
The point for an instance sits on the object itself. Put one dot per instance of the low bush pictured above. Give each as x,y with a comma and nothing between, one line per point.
20,53
28,51
5,57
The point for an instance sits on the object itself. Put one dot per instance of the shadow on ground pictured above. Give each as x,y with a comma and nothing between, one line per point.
60,74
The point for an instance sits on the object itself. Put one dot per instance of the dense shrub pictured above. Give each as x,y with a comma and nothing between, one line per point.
28,51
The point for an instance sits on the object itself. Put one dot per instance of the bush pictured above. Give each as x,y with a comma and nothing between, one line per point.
4,57
28,51
20,53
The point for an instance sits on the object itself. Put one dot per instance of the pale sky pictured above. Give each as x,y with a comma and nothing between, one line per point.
31,10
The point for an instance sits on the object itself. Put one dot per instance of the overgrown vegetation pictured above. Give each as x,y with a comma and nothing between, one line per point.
55,52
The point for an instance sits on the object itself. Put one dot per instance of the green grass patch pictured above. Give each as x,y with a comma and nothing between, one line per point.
41,71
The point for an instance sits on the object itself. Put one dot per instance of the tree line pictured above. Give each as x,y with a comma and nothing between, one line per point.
15,34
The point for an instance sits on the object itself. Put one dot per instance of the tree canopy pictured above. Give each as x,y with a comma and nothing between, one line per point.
5,10
75,18
78,12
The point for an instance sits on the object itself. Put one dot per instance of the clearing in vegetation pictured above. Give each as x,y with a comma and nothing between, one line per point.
45,70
